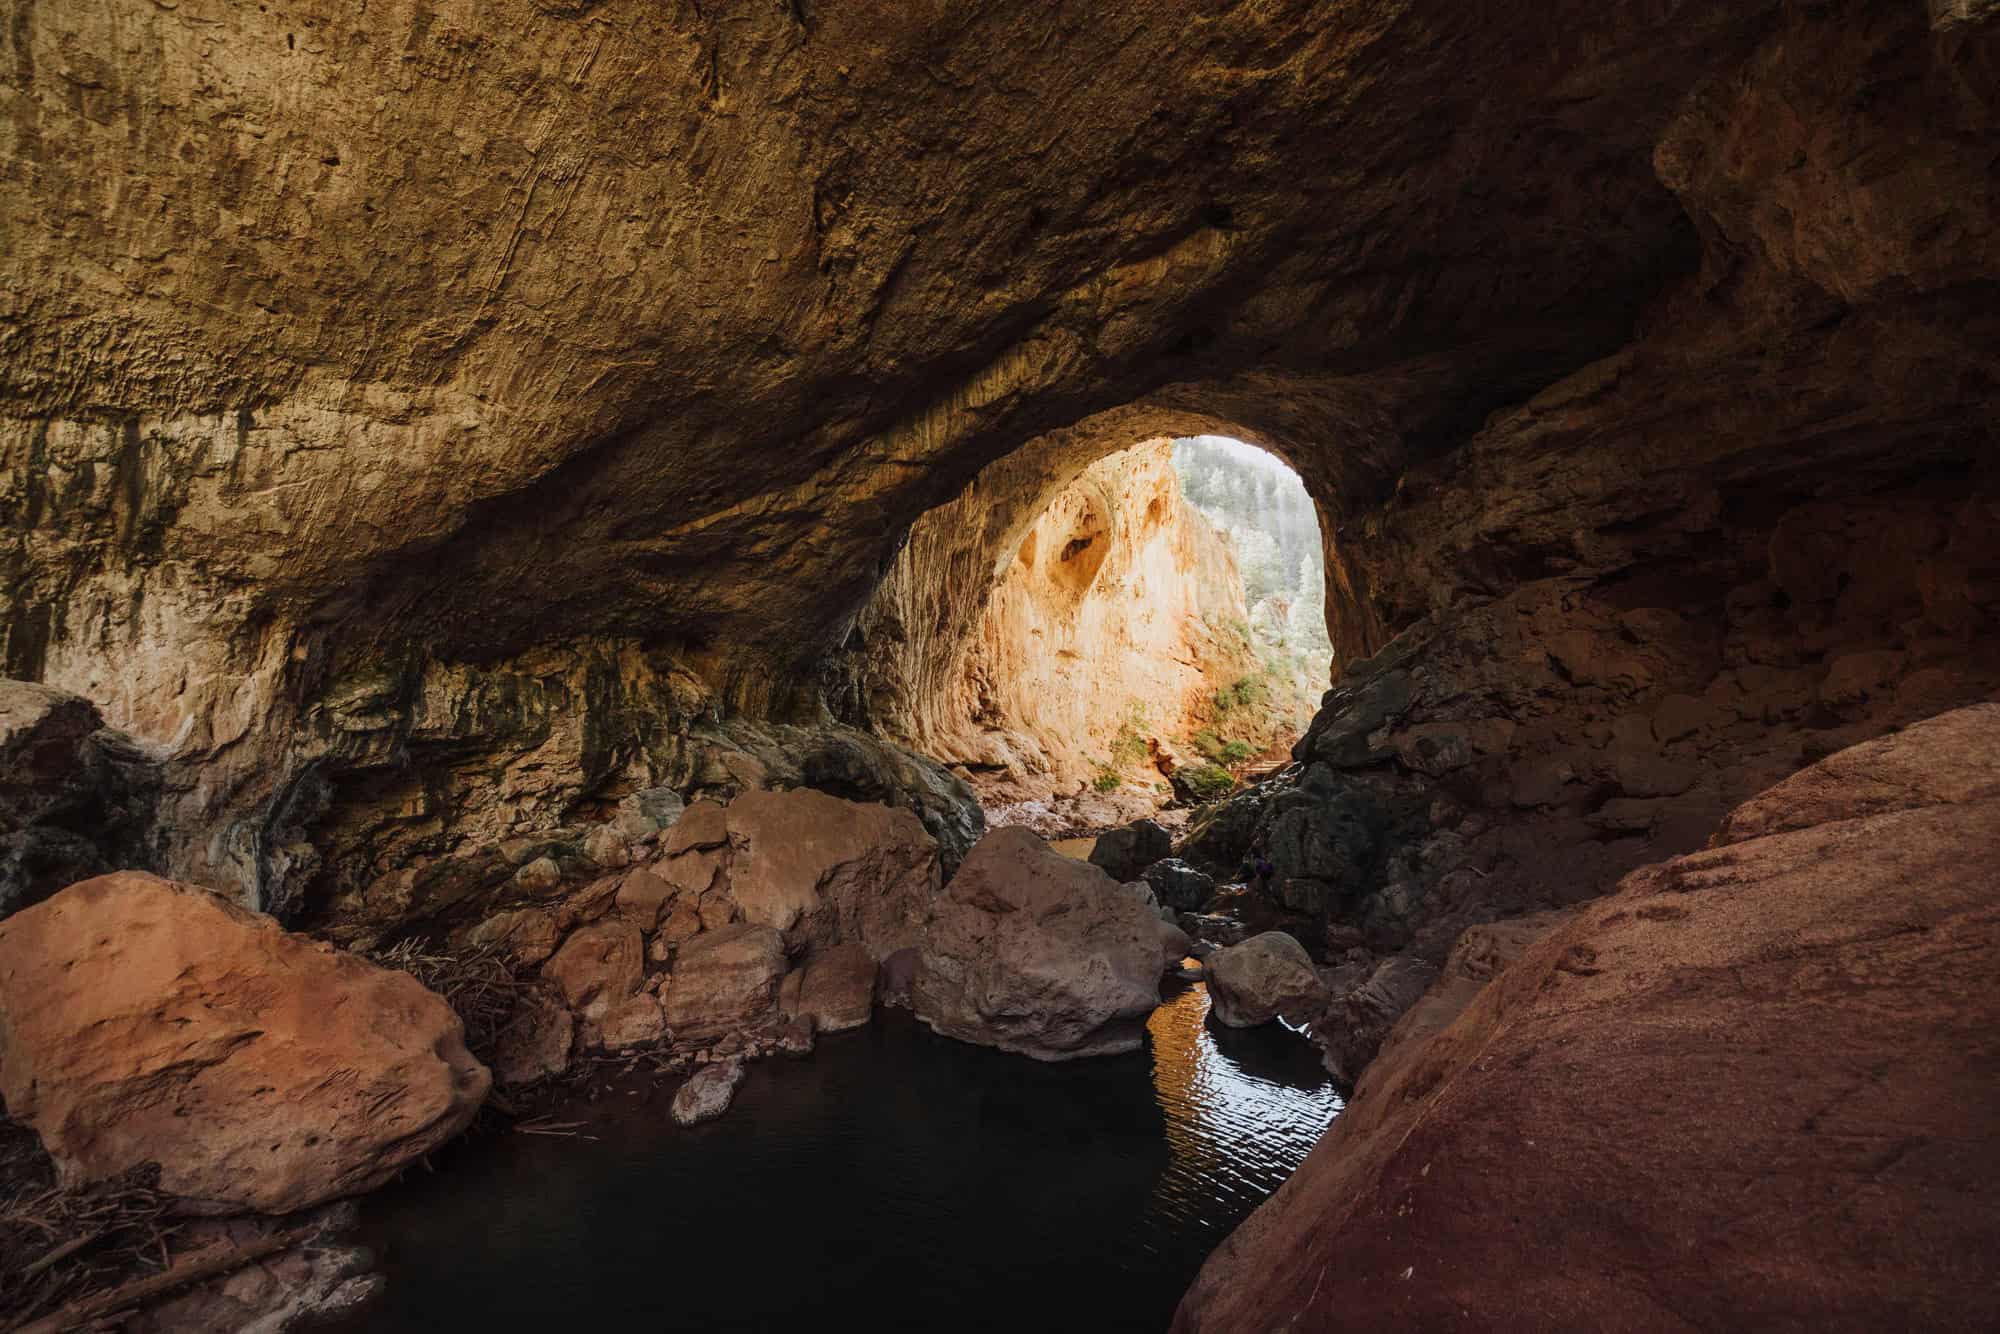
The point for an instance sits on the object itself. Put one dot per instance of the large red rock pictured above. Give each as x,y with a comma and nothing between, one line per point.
826,870
725,979
147,1021
1754,1089
1034,952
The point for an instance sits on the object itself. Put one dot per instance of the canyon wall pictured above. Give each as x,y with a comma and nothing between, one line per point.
553,355
427,427
1117,609
1762,531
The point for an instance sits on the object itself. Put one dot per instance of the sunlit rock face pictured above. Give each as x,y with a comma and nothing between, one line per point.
1116,611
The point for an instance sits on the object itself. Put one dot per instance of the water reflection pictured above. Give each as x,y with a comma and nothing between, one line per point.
1242,1108
895,1178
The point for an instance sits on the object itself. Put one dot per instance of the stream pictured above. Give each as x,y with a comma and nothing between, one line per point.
893,1179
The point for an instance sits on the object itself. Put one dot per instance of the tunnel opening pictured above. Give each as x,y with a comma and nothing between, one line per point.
1149,631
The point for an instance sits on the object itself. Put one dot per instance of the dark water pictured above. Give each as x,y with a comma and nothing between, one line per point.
893,1179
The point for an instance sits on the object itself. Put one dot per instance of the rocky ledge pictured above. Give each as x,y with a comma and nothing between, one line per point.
1752,1088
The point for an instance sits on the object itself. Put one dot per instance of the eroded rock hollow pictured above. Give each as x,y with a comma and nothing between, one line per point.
485,474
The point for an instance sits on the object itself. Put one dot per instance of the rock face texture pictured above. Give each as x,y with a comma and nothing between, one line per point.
1640,362
718,929
1037,953
823,870
76,799
1803,1018
1115,609
147,1021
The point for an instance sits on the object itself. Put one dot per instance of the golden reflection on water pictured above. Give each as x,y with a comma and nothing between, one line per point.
1238,1121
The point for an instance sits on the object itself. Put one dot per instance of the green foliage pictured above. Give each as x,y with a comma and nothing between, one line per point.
1128,747
1208,743
1205,782
1107,780
1245,693
1236,752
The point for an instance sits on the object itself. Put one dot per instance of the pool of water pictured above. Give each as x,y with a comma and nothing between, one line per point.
893,1179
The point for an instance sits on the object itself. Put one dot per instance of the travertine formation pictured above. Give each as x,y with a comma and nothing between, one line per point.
1754,1087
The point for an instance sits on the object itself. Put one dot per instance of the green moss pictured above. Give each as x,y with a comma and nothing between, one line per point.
1205,782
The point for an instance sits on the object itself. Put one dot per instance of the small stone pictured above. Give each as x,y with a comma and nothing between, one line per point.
707,1093
606,847
796,1038
539,878
641,895
702,825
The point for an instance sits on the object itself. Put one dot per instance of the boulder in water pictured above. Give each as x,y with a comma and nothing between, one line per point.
707,1093
1178,885
1124,853
1037,953
1265,977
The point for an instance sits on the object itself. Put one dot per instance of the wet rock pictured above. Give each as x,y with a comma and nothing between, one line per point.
1265,977
1124,853
724,980
837,990
147,1021
1033,952
794,1038
707,1093
897,976
1178,885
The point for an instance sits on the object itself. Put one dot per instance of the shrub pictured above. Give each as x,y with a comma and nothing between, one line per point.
1203,782
1107,780
1208,743
1236,752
